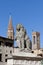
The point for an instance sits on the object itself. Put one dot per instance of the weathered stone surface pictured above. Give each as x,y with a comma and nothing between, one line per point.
21,37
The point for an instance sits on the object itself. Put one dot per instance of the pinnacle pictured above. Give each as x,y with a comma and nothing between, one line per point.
10,23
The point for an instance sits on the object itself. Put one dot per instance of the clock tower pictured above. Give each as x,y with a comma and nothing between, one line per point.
10,33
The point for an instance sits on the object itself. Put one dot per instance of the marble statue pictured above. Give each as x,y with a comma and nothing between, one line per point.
21,37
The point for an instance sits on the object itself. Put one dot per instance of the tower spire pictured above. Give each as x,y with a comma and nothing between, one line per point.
10,26
10,34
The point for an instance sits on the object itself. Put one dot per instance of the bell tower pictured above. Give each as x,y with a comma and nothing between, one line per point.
10,33
35,40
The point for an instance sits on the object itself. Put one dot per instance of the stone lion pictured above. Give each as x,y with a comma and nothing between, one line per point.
22,39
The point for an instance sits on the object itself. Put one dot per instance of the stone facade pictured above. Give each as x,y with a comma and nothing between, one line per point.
6,49
23,58
23,62
35,40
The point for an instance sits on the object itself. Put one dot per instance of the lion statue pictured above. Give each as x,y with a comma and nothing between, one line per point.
21,37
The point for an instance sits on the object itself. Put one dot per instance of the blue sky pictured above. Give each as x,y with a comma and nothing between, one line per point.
27,12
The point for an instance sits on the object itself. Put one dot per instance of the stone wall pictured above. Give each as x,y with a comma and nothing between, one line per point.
23,62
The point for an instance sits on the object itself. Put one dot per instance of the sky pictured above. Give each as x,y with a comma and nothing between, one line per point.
29,13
